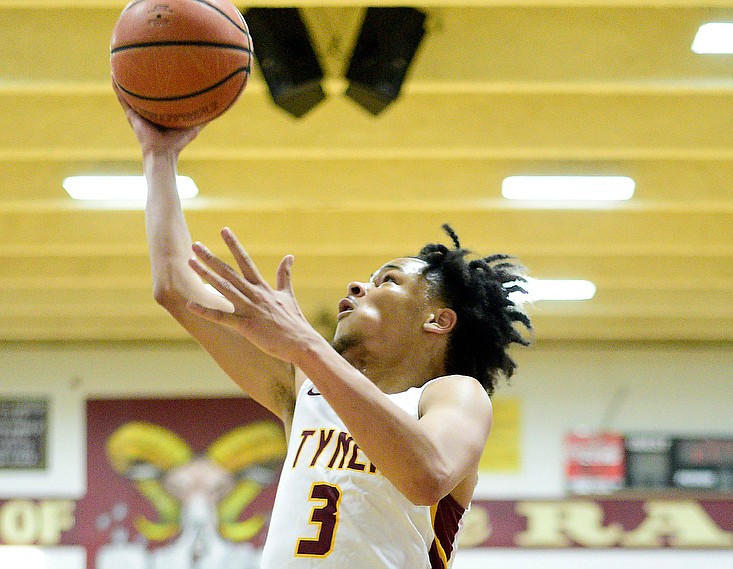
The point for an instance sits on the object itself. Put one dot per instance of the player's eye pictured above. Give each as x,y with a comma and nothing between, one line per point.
388,278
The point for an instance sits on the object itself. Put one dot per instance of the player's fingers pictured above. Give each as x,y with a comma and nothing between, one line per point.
221,276
245,262
129,111
211,314
214,263
118,94
284,275
135,120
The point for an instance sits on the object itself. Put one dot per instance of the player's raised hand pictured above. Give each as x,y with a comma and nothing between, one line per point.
269,318
153,137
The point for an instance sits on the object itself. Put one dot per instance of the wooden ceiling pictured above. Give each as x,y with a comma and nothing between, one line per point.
498,88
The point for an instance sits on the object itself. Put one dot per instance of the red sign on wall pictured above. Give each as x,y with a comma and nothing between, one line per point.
594,462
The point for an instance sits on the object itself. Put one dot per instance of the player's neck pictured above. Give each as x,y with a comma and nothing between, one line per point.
397,374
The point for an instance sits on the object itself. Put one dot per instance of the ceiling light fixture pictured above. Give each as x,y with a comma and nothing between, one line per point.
554,289
120,187
568,188
714,37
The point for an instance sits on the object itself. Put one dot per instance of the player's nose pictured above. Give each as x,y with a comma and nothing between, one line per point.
357,289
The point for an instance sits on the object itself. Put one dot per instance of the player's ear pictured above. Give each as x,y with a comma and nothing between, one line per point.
441,321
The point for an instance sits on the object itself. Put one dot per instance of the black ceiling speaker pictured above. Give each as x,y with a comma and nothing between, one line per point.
383,52
286,58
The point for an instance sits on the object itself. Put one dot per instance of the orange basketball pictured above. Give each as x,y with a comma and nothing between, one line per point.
180,63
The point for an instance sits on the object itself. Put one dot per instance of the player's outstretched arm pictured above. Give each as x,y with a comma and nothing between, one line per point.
267,380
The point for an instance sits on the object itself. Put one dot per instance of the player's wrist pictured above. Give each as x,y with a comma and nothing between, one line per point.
309,350
159,155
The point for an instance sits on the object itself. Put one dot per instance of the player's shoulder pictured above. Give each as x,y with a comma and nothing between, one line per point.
455,389
454,382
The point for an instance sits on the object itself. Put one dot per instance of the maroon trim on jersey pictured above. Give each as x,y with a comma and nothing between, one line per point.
448,514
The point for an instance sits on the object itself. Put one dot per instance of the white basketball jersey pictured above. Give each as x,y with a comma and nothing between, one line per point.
334,509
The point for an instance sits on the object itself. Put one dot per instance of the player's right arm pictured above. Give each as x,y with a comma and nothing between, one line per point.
267,380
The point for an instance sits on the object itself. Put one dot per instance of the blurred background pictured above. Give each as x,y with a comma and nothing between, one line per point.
347,160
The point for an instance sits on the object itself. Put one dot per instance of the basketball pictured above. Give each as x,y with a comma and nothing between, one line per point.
180,63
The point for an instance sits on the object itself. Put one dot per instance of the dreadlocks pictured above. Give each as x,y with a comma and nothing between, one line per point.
478,291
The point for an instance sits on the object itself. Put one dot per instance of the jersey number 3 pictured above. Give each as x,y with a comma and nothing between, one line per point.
326,516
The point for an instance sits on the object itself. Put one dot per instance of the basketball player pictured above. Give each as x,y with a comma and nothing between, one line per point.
386,424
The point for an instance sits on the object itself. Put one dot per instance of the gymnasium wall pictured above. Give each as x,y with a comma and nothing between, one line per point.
683,389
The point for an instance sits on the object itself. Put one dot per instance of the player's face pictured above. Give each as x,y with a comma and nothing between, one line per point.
391,307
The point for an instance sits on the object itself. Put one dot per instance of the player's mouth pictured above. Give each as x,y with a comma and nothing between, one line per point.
345,306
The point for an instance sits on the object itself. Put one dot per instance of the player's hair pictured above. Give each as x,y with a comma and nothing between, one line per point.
478,291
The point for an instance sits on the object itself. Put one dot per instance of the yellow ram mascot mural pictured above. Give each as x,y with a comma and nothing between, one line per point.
199,499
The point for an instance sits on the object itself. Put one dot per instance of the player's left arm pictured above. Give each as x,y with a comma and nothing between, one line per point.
456,413
425,458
